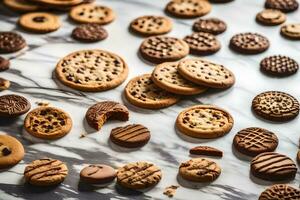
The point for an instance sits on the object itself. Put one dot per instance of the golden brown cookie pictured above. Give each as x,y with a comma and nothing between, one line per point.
139,175
158,49
92,70
45,172
48,123
204,121
291,31
280,192
166,76
200,170
270,17
206,73
21,5
100,112
142,92
58,3
188,8
202,43
39,22
11,151
91,13
151,25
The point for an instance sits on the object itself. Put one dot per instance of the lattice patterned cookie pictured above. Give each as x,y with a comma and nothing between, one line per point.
92,70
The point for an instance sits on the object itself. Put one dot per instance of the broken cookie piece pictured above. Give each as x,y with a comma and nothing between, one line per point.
206,151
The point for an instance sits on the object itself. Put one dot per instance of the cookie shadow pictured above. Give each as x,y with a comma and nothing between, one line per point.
118,148
190,184
32,189
86,187
239,155
87,128
147,62
130,192
191,139
8,121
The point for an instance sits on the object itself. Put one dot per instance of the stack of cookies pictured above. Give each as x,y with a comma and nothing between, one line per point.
170,80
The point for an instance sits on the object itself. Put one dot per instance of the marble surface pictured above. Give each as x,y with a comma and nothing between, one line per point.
31,75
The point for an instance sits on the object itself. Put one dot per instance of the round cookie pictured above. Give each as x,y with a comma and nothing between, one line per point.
202,43
21,5
130,136
139,175
273,166
282,5
158,49
279,192
275,106
89,33
11,151
45,172
249,43
151,25
210,25
279,65
13,105
142,92
270,17
91,13
291,31
166,76
4,64
204,121
11,42
39,22
4,84
92,70
100,112
200,170
206,73
47,123
253,141
98,174
188,8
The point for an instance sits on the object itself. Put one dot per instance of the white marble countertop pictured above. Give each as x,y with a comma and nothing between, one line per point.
31,75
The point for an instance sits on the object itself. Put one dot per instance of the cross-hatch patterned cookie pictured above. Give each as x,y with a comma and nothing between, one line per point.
158,49
275,106
279,65
253,141
273,167
90,13
142,92
200,170
291,31
92,70
45,172
151,25
282,5
280,192
188,8
202,43
204,121
48,123
139,175
206,73
13,105
166,76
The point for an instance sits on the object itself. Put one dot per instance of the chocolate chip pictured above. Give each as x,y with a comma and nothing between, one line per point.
6,151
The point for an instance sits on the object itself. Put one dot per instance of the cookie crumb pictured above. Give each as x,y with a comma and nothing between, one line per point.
42,103
82,135
4,84
170,191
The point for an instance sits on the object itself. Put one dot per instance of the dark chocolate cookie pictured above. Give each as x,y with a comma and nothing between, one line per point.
253,141
13,105
98,174
100,112
210,25
279,65
130,136
273,166
11,42
202,43
89,33
282,5
276,106
249,43
4,64
280,192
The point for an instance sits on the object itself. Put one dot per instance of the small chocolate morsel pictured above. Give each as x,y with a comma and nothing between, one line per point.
98,174
6,151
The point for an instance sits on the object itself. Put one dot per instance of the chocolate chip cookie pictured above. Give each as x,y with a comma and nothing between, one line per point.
12,105
90,32
48,123
100,112
276,106
210,25
11,151
158,49
11,42
188,8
